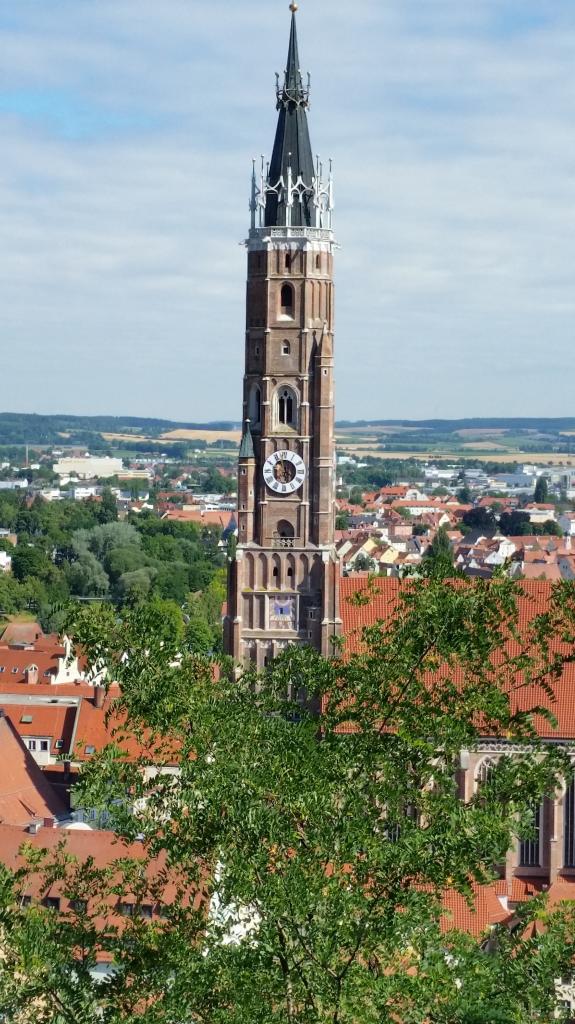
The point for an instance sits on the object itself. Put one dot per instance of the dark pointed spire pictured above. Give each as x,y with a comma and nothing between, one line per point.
293,85
247,445
292,146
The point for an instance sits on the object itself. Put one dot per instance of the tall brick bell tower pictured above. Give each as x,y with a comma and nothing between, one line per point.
283,584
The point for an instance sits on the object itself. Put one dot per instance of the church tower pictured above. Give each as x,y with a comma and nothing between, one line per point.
283,583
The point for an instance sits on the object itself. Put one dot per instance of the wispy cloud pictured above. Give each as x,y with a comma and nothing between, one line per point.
128,131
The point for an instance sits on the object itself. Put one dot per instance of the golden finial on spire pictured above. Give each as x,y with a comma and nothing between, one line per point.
293,7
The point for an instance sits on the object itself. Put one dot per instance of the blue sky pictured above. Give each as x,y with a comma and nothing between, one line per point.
128,129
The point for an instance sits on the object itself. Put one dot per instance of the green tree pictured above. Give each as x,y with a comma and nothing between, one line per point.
136,585
12,595
30,561
215,482
342,520
515,524
480,519
363,563
322,848
356,496
199,636
464,495
439,554
172,581
87,577
126,559
541,493
103,539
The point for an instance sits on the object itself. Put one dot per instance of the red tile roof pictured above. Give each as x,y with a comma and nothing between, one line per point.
25,794
14,661
21,633
533,600
53,722
541,571
98,727
211,518
104,849
485,910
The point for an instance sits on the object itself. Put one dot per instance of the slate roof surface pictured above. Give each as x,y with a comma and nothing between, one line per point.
292,146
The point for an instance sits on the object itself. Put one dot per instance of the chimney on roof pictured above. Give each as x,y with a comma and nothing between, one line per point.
49,823
34,827
99,694
31,675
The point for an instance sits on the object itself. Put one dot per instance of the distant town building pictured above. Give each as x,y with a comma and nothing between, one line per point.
89,468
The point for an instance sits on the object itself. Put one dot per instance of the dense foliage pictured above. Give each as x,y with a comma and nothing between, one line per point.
322,847
70,551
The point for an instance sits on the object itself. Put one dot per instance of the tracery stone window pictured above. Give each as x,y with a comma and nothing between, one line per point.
286,407
484,772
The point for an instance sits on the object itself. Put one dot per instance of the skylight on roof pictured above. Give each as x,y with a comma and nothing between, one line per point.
26,719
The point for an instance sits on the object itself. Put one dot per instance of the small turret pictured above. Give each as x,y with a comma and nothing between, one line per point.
247,445
246,487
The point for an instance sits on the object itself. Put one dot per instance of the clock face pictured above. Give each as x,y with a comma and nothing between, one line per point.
284,472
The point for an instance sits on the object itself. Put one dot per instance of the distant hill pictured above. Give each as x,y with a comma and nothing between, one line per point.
63,430
545,426
502,435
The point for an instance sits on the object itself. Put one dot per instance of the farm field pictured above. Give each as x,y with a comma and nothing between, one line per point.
128,437
544,458
233,436
506,440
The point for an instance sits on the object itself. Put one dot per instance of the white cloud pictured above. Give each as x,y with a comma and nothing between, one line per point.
451,128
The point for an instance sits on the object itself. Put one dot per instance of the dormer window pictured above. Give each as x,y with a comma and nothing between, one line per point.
287,302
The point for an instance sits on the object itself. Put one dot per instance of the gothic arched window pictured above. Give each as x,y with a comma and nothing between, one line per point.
286,348
287,301
285,529
286,408
484,772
